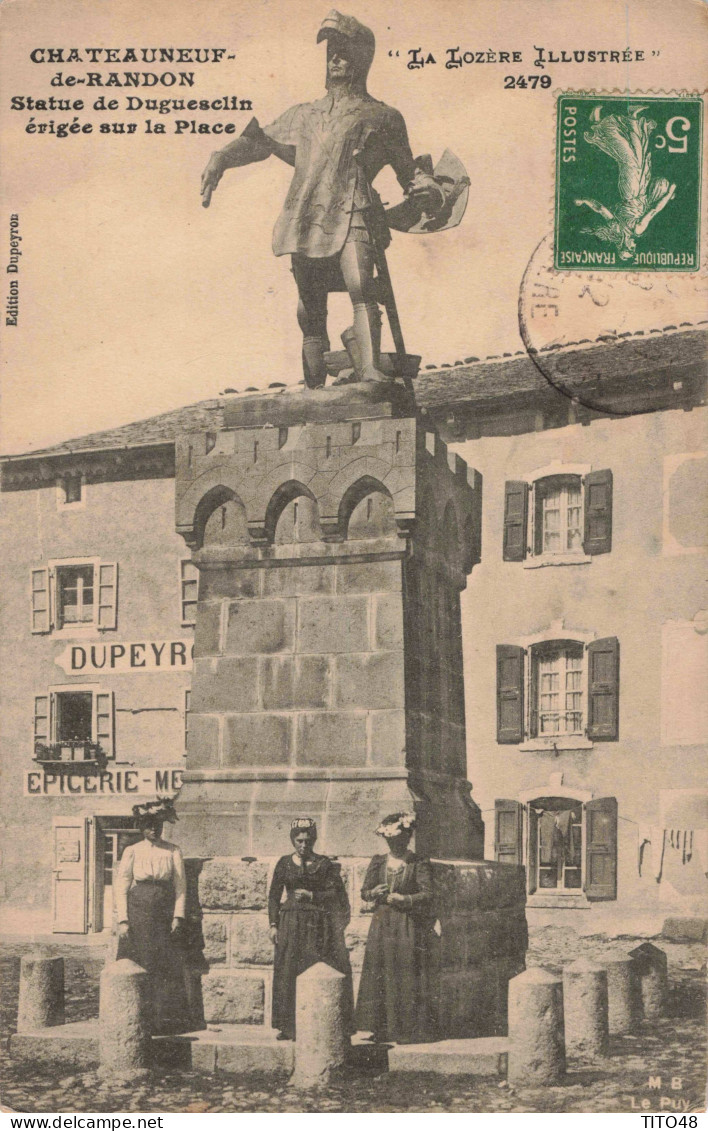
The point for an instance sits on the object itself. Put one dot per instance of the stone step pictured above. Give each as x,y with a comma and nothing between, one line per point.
470,1056
254,1048
71,1047
228,1048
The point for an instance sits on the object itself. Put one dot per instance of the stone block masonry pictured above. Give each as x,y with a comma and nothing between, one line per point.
327,642
483,940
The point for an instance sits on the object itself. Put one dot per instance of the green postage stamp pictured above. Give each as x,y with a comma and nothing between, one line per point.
628,183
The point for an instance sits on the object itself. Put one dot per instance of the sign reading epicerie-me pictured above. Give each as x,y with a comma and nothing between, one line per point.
143,781
135,656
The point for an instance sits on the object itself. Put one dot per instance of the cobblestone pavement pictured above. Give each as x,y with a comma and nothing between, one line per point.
671,1048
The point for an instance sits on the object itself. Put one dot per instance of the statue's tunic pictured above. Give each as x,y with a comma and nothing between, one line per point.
330,185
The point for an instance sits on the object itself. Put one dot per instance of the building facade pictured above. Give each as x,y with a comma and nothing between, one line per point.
586,710
97,638
585,641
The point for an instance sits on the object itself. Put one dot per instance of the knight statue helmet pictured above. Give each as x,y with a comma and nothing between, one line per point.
361,42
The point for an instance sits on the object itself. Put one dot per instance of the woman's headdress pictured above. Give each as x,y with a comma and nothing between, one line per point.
303,824
162,809
396,823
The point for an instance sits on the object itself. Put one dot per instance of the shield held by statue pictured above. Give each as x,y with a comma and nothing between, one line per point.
451,176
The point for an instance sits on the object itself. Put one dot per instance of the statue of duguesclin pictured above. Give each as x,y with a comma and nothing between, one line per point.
333,223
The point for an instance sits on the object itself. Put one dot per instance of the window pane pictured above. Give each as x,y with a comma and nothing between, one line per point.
559,689
75,593
74,716
561,514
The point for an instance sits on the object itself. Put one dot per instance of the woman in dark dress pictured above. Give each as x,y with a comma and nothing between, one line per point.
394,1002
308,927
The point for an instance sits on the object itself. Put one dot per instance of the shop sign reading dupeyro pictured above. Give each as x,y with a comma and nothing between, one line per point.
93,657
134,781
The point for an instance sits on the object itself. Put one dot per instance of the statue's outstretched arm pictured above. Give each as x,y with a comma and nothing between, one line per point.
252,145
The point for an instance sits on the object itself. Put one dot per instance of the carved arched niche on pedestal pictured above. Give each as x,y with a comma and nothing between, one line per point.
367,510
220,519
292,515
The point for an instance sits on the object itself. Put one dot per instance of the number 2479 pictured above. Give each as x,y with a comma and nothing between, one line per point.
521,82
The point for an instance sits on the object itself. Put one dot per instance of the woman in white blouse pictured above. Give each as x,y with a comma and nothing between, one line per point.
150,892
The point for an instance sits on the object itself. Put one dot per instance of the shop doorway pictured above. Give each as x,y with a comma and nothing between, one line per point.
113,835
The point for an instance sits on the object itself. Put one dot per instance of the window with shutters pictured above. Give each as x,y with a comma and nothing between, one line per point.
188,589
568,846
73,724
558,516
74,596
558,689
559,694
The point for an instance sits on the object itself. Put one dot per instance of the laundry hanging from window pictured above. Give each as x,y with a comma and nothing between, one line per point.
559,847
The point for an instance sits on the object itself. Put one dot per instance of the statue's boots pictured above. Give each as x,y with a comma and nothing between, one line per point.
313,362
367,333
347,376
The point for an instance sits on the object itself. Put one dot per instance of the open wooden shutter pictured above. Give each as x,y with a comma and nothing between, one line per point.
598,512
538,518
508,823
104,711
601,848
40,608
42,727
107,594
189,589
533,692
532,850
70,874
516,506
510,693
603,689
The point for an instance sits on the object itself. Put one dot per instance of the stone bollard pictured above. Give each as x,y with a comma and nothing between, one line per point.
124,1020
652,970
536,1041
586,1009
321,1038
41,993
623,993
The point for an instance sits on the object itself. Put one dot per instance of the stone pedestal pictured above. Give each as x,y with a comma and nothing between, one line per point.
586,1009
333,534
624,993
41,1000
321,1018
124,1020
536,1032
652,970
328,646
